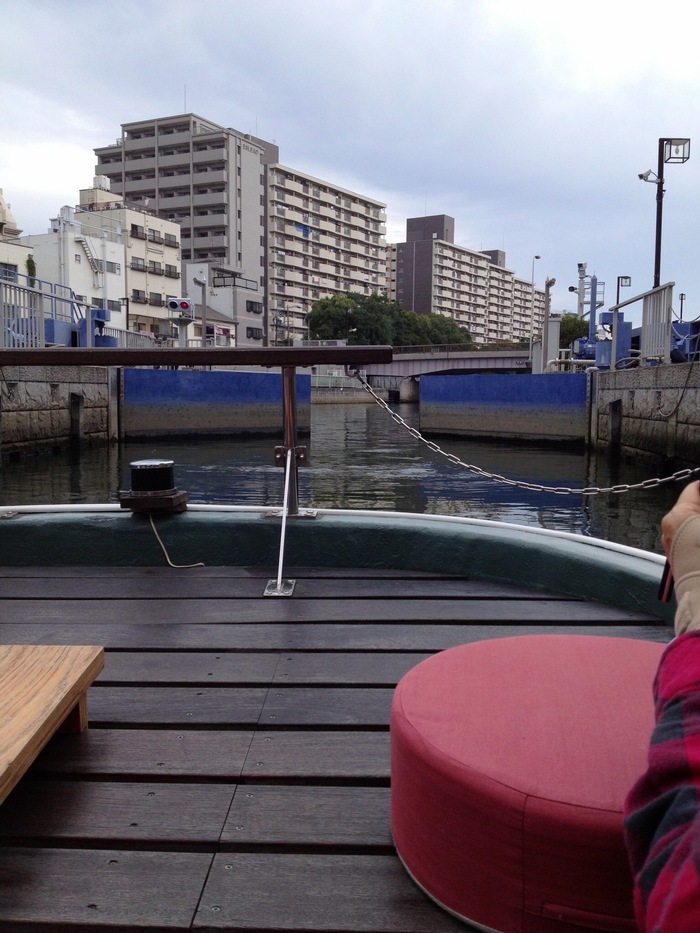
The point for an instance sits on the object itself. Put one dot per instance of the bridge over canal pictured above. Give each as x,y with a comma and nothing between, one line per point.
419,361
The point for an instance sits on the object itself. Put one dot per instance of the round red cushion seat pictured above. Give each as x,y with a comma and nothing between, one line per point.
510,762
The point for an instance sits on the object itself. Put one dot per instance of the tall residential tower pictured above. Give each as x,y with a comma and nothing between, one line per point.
211,180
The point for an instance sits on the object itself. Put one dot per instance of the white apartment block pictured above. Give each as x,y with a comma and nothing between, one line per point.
323,241
113,257
211,181
430,273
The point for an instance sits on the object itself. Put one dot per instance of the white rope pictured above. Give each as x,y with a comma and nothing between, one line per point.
167,556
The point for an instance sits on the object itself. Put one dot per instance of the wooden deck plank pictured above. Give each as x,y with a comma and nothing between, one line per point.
192,667
281,610
319,757
135,572
191,585
199,707
148,754
301,636
107,814
249,668
288,817
327,706
105,890
331,892
362,668
189,707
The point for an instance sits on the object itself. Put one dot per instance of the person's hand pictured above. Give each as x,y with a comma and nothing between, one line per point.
687,505
680,536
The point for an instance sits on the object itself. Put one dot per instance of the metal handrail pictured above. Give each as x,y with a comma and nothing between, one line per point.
268,357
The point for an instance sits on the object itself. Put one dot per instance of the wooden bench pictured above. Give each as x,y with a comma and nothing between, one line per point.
42,690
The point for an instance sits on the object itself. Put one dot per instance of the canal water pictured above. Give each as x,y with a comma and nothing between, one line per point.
360,458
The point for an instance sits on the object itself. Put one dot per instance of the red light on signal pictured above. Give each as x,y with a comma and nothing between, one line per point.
181,306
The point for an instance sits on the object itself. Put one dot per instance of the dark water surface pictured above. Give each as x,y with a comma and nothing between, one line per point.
360,458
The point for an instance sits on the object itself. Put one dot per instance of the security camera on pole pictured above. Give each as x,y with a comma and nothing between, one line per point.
182,310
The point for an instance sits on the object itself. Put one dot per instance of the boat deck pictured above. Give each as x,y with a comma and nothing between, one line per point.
235,774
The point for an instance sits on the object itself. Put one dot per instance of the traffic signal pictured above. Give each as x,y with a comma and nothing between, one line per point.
183,307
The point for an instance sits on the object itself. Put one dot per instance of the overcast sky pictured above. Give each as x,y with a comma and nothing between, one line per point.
528,121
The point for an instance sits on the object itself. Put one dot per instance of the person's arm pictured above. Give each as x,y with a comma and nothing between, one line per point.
662,811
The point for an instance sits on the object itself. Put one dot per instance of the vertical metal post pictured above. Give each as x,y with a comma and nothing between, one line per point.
593,305
289,410
659,209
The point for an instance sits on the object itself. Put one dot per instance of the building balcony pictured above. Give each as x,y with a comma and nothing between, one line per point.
210,220
139,187
210,177
145,144
219,241
177,202
111,167
209,155
177,138
167,182
175,160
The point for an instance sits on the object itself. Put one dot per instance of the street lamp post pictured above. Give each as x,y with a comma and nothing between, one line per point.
623,281
670,151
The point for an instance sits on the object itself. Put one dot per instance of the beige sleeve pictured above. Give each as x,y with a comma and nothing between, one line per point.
685,565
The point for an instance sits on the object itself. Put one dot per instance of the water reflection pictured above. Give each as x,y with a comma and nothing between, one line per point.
360,458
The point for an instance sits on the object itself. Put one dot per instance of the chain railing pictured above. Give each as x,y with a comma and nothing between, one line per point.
521,484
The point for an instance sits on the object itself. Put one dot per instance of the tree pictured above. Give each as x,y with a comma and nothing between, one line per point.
445,330
329,318
373,319
571,327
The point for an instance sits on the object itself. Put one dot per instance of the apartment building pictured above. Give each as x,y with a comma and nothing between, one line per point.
430,273
323,241
113,256
211,180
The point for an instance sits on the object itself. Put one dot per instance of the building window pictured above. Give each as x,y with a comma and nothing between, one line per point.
77,258
255,307
254,333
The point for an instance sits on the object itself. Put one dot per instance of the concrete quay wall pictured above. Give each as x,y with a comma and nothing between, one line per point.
515,407
159,403
651,411
51,406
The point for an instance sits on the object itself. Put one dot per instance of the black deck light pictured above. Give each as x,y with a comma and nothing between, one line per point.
153,488
670,151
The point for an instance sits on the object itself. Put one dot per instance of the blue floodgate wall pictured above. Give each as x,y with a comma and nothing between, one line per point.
547,407
161,402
